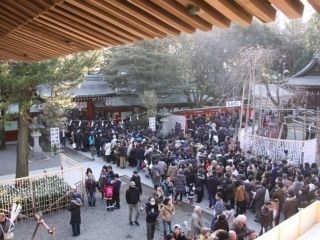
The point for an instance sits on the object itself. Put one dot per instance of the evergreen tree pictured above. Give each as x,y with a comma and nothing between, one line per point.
21,84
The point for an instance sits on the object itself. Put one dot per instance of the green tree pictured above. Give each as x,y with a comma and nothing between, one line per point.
22,82
312,34
142,67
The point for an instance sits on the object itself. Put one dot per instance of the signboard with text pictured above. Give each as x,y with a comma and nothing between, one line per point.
236,103
54,136
152,123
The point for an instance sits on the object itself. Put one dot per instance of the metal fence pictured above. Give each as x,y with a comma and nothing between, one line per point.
43,193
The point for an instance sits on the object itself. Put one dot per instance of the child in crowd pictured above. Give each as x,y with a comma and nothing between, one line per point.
108,195
190,192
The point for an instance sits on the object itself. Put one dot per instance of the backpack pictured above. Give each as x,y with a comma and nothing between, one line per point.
108,192
91,140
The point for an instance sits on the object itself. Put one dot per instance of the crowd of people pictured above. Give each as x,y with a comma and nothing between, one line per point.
205,161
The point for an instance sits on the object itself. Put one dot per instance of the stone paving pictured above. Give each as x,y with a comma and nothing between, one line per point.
96,223
101,224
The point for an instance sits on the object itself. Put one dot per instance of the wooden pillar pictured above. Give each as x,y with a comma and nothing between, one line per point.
90,110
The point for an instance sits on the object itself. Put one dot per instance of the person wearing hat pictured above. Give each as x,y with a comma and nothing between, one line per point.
132,199
74,208
6,227
177,233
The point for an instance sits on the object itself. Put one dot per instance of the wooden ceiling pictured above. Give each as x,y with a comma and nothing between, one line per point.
32,30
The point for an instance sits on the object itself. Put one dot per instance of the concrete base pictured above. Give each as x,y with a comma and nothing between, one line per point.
37,156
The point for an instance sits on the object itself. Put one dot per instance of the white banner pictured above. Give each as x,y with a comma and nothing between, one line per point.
233,103
152,123
54,136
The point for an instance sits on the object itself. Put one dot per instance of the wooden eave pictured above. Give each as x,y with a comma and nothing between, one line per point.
34,30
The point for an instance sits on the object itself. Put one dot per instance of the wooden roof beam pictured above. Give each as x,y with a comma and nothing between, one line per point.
24,40
20,51
182,13
60,39
116,38
45,42
67,32
84,26
291,8
26,50
9,55
208,13
315,4
144,16
78,31
262,9
132,20
233,11
163,15
30,19
100,22
140,35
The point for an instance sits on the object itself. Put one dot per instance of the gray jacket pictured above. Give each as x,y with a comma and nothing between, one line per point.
196,224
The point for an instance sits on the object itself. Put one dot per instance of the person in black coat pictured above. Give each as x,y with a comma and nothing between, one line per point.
133,199
220,223
152,210
116,191
212,184
136,179
75,220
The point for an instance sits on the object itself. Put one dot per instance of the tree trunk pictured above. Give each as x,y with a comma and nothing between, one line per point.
2,136
22,169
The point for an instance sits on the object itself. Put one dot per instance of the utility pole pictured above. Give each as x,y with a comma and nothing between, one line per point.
318,138
241,111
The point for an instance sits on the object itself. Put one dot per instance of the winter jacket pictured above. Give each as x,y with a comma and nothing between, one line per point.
290,207
167,188
137,181
219,207
123,151
212,183
163,167
279,194
132,195
266,218
167,212
239,196
196,224
152,212
172,172
180,183
75,211
259,197
216,225
241,232
107,149
90,185
139,154
116,187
